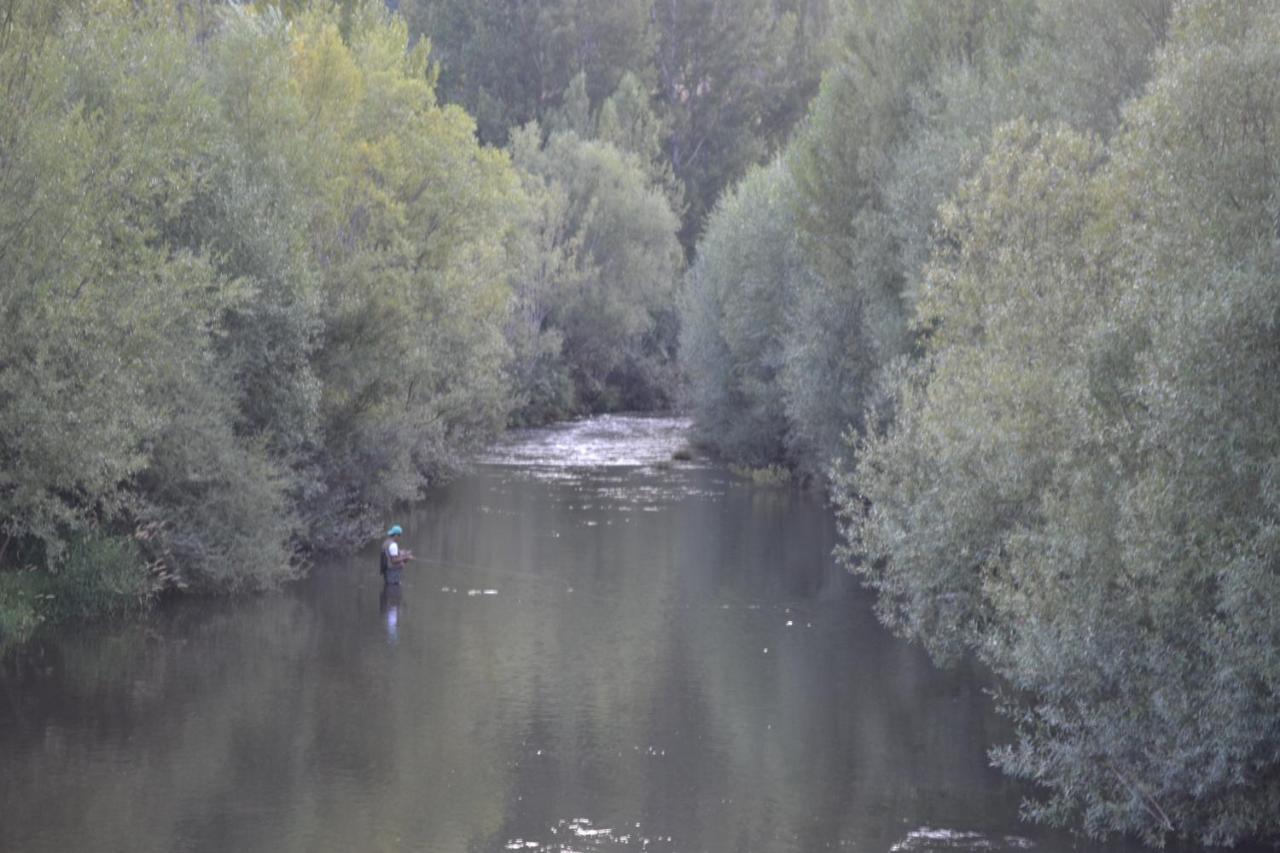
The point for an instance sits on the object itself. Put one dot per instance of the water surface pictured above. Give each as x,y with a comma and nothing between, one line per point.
596,649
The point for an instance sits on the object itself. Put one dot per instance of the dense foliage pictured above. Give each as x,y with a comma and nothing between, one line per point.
255,285
259,286
725,79
1078,481
610,305
1036,291
903,116
739,295
1009,287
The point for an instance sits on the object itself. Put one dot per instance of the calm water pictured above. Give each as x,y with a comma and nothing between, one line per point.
596,650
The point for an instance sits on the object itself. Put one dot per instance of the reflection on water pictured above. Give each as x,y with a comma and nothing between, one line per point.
389,603
646,657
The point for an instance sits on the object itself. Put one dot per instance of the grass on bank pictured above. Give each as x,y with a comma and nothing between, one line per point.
768,475
98,577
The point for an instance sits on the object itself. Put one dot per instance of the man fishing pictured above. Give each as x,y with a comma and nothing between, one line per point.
393,556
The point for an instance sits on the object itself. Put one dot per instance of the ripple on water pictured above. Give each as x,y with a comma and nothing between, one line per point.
607,441
580,835
926,840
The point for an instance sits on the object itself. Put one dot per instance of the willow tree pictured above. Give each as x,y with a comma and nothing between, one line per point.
511,63
255,284
905,114
1079,482
110,328
735,309
615,309
410,247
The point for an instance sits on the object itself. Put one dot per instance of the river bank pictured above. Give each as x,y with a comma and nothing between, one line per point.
598,648
101,580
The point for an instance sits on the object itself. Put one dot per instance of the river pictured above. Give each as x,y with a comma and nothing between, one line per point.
597,648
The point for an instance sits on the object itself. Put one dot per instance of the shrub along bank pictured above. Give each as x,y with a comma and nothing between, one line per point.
258,286
1027,321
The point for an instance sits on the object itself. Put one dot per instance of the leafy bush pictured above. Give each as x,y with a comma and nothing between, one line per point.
18,615
769,475
735,310
1079,482
611,235
98,577
254,293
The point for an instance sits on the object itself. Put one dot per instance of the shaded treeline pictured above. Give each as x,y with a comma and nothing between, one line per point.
1014,287
259,285
253,290
723,81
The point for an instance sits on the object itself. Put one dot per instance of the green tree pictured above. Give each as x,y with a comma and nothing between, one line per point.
729,92
628,121
727,80
263,173
734,310
412,251
904,115
547,270
96,160
511,63
853,196
254,293
1077,485
944,496
617,318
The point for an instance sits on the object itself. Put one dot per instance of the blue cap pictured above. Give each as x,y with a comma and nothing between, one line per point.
395,530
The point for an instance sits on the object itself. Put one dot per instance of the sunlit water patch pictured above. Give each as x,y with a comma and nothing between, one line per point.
581,835
928,840
609,441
